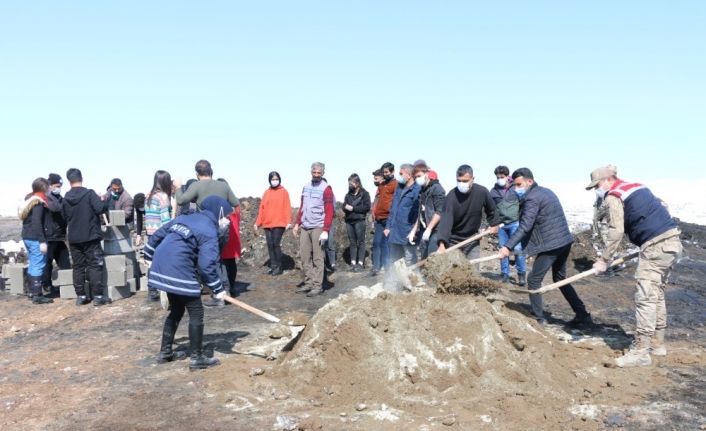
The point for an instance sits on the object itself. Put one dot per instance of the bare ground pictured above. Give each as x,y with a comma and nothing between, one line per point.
67,367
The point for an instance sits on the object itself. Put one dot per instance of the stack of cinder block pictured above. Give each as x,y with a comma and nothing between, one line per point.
14,275
121,275
64,278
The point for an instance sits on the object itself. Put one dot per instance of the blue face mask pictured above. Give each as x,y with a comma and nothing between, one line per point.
520,192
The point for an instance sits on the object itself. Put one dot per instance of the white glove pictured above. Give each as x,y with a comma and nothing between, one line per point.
426,235
289,225
349,207
600,266
323,238
220,295
255,226
43,247
411,236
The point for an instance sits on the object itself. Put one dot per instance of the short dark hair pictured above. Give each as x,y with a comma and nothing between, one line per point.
387,165
354,178
463,170
420,168
74,175
203,168
377,172
40,185
502,170
523,172
117,181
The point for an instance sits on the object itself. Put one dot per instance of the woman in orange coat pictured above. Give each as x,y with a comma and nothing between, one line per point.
275,217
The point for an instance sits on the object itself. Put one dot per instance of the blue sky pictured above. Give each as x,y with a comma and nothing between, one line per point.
126,88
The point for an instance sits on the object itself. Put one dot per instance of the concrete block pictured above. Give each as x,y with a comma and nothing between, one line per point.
116,217
115,262
64,277
67,292
114,278
15,273
116,293
117,246
15,289
132,284
116,232
143,283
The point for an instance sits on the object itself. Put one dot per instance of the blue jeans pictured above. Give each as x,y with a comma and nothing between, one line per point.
504,235
36,259
381,248
408,252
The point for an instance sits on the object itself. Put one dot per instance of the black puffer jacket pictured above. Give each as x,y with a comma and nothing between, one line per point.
360,204
81,209
543,226
431,201
33,216
56,224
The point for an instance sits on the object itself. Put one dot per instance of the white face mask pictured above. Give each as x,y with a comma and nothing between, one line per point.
56,191
463,187
274,183
600,192
421,180
502,182
401,179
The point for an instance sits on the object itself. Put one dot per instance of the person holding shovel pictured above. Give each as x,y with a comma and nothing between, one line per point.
635,211
544,233
463,211
185,253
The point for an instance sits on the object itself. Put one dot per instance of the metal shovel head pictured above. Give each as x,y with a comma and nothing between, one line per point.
164,300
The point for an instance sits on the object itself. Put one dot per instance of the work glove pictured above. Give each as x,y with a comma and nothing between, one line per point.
43,247
426,235
220,295
411,236
600,266
323,238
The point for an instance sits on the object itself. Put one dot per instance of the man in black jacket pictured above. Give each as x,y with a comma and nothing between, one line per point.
82,208
463,212
56,232
544,232
431,204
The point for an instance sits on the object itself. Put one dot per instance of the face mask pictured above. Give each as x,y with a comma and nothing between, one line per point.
463,187
115,195
421,181
501,182
400,179
351,187
600,192
274,183
388,178
520,192
377,183
56,191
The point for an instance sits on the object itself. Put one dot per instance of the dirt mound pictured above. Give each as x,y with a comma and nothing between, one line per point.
414,350
452,273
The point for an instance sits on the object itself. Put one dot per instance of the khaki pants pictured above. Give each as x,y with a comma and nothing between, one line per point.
312,255
656,259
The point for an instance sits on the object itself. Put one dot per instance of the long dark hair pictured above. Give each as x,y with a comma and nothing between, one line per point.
162,183
39,185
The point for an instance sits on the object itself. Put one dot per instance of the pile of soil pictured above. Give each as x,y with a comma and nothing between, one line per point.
452,273
413,351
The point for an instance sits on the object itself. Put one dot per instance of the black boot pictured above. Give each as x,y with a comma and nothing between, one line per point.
82,300
521,278
35,289
166,354
101,300
198,360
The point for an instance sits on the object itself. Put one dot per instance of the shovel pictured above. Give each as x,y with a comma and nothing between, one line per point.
403,272
294,328
571,279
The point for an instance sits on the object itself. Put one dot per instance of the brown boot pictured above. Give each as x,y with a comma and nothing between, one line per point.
638,355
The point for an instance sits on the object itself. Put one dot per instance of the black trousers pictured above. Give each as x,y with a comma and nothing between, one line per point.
56,251
556,261
192,304
229,270
356,239
87,259
274,247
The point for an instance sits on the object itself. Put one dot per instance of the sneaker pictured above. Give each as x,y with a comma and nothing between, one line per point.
314,292
82,300
303,289
101,300
153,296
214,302
374,272
41,299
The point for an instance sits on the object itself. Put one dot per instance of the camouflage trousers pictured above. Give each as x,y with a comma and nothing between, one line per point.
656,259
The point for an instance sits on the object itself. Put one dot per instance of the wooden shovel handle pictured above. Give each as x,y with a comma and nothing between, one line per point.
475,237
251,309
571,279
